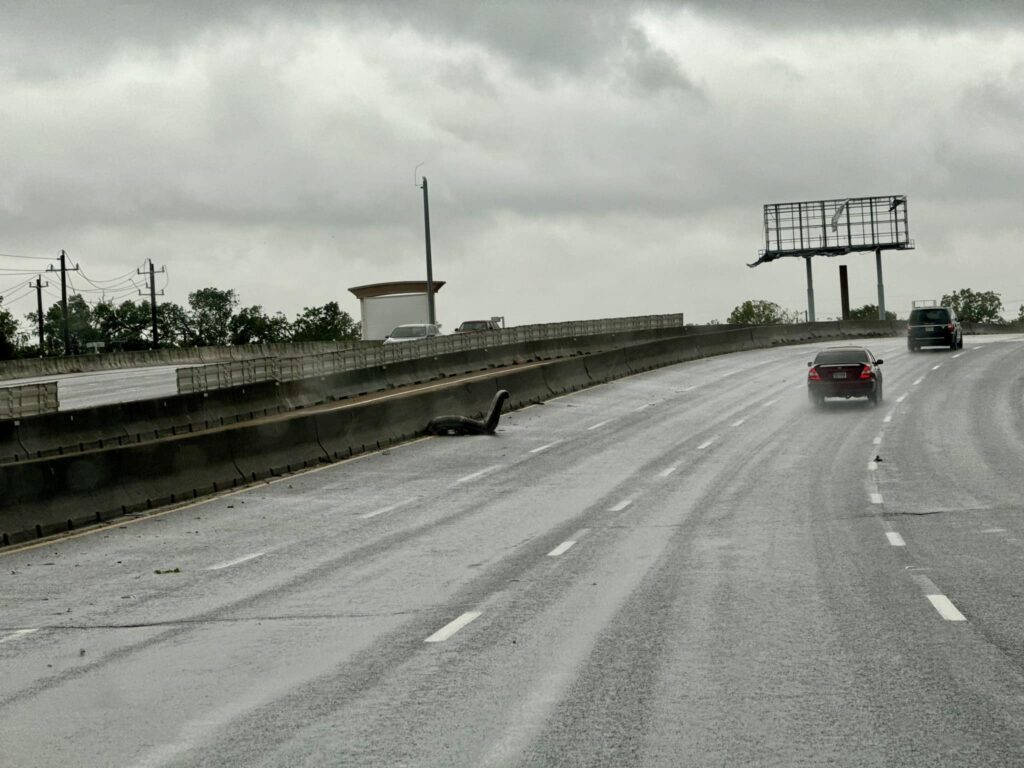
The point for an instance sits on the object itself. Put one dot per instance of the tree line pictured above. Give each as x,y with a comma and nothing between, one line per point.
212,317
972,306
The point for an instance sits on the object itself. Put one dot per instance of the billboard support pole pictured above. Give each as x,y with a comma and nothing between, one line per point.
810,290
881,284
844,291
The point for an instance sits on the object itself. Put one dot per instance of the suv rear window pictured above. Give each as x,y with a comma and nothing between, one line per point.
930,315
841,356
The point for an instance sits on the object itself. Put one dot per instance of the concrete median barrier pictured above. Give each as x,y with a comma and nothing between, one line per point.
275,446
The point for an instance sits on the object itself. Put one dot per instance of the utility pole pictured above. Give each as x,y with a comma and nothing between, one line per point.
152,299
39,308
430,268
66,331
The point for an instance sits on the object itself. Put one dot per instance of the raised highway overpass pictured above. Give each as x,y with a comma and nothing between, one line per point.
690,566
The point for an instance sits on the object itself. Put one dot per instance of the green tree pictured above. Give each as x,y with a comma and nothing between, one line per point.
975,306
125,326
9,337
210,316
869,312
173,325
758,312
251,325
327,323
80,327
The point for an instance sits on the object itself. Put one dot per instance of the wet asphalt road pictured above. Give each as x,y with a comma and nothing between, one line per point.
87,390
692,567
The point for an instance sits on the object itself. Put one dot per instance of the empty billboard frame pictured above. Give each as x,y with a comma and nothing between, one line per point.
835,227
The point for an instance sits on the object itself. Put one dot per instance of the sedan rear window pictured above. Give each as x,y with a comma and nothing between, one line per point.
841,356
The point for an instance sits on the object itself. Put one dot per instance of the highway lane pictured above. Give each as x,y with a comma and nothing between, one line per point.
86,390
689,567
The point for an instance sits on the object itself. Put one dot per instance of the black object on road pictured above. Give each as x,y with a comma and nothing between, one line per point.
461,425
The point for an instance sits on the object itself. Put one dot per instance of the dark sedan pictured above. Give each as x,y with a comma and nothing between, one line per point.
844,372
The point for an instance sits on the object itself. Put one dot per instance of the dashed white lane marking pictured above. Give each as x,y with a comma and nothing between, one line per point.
669,471
452,627
475,475
770,402
561,549
902,397
801,385
706,443
738,422
598,425
895,539
975,347
945,607
994,530
872,466
918,381
936,367
621,505
876,498
16,634
645,405
729,373
877,440
888,417
385,510
236,561
545,447
939,601
957,355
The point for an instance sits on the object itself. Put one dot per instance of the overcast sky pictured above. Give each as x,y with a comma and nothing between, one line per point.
585,159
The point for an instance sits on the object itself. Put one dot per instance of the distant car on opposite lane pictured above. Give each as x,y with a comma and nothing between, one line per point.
470,326
412,332
934,327
844,372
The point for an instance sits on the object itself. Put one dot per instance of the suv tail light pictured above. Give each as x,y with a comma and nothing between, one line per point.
950,327
813,375
865,371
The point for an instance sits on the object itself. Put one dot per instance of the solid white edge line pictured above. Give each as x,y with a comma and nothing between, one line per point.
876,498
599,424
895,539
545,447
561,549
945,607
236,561
452,627
621,505
475,475
18,633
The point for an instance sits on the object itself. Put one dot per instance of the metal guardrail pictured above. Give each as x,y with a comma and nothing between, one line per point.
220,375
28,400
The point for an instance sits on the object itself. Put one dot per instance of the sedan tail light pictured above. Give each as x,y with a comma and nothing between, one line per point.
813,375
866,372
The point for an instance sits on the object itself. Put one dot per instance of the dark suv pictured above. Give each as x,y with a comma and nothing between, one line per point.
934,326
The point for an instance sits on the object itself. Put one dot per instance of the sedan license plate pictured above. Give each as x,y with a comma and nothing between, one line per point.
839,375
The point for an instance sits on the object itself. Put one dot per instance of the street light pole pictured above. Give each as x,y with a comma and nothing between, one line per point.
430,266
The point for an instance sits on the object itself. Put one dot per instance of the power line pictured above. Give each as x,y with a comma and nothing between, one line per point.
17,256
